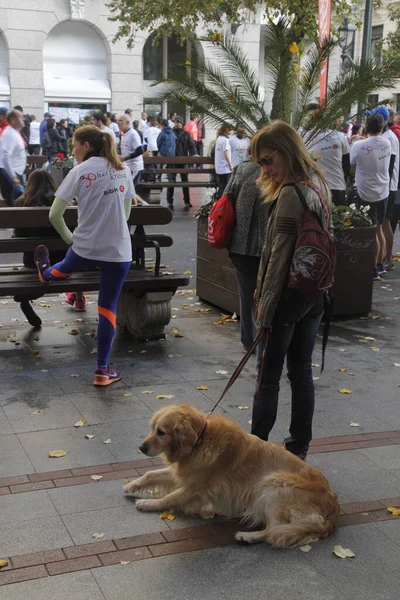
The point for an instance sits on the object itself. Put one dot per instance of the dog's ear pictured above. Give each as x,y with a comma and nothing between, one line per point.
186,437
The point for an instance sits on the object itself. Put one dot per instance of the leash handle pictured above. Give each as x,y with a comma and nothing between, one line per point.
262,333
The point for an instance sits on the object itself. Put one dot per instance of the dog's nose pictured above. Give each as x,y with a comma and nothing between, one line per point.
143,448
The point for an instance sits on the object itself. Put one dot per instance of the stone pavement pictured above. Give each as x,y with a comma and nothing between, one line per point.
51,508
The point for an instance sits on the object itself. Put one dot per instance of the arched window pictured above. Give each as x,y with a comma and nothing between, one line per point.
75,64
4,82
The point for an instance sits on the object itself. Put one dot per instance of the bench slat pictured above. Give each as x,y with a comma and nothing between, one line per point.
178,160
179,184
184,170
38,216
14,245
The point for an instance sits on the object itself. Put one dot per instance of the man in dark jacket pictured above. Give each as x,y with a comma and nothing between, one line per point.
26,131
185,146
62,129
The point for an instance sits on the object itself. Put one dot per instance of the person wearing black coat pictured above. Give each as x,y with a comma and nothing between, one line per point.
185,146
52,142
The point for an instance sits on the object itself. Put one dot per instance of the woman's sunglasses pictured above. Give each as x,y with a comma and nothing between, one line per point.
267,161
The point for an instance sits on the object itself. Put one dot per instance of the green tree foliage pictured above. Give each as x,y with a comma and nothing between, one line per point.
182,17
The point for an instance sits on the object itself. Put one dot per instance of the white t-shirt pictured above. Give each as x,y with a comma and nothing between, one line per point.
221,165
130,140
143,124
115,128
102,232
151,134
34,137
12,152
330,146
372,158
111,132
394,145
239,149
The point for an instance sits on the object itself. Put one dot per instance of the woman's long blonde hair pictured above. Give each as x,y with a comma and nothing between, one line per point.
101,142
283,138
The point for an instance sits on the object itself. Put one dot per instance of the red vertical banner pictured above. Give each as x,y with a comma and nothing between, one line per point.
324,28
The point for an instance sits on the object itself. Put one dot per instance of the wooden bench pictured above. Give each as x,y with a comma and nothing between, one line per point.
150,190
35,162
144,307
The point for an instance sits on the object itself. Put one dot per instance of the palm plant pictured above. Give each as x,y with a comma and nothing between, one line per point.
228,89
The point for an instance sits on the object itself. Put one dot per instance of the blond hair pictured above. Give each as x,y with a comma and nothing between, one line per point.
101,142
299,166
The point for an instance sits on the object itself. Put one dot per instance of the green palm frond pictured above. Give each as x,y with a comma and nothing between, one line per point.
309,77
349,88
279,59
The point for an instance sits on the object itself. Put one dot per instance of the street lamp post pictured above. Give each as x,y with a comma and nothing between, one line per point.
347,34
366,42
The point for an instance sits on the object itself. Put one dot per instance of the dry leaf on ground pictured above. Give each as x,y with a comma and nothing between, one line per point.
107,441
147,392
315,378
3,563
354,424
374,348
343,552
125,562
94,351
220,322
80,423
188,272
315,365
363,341
342,369
96,477
344,391
127,395
37,412
370,339
75,375
394,511
89,436
57,453
168,516
165,397
73,332
352,374
220,372
305,548
202,388
177,334
143,352
243,407
97,536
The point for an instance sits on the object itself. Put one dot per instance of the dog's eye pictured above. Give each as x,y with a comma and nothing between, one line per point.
160,431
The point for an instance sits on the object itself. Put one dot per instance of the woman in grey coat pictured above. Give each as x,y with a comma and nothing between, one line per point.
247,240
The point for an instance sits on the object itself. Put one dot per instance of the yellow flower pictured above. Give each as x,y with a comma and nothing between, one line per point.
293,48
188,63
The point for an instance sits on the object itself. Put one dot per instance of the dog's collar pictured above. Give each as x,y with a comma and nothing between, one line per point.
200,437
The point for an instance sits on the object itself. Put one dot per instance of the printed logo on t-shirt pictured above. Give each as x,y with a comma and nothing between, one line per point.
114,191
335,146
90,177
121,188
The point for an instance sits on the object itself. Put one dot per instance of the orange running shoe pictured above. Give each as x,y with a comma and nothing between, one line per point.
105,376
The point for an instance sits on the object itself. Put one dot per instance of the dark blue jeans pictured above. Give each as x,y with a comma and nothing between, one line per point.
294,341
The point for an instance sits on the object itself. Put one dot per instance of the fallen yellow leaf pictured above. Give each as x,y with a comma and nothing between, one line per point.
344,391
343,552
363,341
354,424
202,388
315,365
3,563
188,272
394,511
315,378
107,441
165,397
96,477
197,310
177,334
97,536
89,436
374,348
57,453
126,481
305,548
125,562
94,351
168,516
243,407
143,352
220,322
342,369
37,412
147,392
352,374
80,423
127,395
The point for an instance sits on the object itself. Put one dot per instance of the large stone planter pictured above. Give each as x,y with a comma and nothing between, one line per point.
58,175
352,290
216,276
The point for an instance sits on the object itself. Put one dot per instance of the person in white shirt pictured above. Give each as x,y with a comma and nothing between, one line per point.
150,136
372,159
34,137
104,191
333,152
99,120
112,124
12,158
143,121
131,149
240,144
171,119
222,157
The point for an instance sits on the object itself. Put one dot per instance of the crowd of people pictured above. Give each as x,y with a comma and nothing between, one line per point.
270,180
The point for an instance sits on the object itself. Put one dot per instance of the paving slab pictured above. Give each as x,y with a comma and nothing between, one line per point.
124,405
126,437
92,496
56,411
113,522
33,536
80,451
25,507
387,457
391,529
71,586
13,458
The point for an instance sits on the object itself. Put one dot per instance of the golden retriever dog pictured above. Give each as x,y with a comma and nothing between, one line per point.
215,468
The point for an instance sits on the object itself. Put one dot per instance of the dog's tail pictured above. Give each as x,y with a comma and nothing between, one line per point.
304,531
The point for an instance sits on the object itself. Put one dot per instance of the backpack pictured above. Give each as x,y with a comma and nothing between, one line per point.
46,142
313,264
221,220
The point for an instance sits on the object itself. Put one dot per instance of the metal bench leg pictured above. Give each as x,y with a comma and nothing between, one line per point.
145,318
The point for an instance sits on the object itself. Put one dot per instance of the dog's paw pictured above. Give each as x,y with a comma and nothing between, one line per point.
146,504
130,488
244,537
